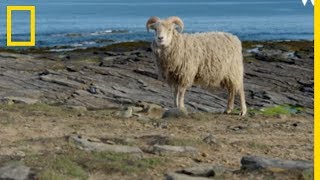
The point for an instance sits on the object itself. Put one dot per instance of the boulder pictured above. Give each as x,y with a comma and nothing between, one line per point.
174,150
256,163
15,171
85,143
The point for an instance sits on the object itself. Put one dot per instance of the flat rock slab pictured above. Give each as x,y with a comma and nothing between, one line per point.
177,176
128,76
15,171
207,170
256,163
18,100
95,145
174,150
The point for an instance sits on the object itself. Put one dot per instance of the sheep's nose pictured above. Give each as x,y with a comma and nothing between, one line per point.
160,38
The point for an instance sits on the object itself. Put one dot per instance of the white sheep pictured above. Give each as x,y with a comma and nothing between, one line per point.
210,60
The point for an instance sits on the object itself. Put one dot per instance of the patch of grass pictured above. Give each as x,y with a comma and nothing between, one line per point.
307,174
77,164
183,142
6,118
49,174
258,146
56,166
119,163
39,109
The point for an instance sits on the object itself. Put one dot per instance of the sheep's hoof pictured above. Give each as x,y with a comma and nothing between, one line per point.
243,113
228,111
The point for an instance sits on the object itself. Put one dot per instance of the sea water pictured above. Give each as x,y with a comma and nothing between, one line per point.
80,23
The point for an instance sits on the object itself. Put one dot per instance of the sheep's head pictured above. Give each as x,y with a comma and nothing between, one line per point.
164,29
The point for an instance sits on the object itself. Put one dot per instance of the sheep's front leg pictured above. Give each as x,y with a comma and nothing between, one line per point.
179,98
176,95
159,70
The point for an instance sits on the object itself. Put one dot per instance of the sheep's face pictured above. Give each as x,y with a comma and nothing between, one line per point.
163,33
164,29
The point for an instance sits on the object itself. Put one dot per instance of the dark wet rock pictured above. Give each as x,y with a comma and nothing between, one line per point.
206,170
257,163
174,150
92,144
177,176
146,73
110,53
93,90
15,171
203,171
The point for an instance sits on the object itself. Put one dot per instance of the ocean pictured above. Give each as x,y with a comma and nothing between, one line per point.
80,23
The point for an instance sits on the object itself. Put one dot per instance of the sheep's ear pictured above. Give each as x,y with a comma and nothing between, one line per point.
151,22
177,21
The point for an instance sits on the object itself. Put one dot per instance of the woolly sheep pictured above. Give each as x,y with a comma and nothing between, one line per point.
212,59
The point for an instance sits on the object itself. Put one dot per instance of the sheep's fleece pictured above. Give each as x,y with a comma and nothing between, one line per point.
212,59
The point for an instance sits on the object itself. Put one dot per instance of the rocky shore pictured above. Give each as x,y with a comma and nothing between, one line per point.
94,109
276,73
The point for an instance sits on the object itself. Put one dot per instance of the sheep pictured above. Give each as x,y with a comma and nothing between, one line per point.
210,60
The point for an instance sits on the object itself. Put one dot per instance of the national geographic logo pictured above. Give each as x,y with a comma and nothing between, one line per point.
306,1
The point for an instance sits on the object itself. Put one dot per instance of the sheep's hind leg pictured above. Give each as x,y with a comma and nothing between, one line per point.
243,102
181,106
231,95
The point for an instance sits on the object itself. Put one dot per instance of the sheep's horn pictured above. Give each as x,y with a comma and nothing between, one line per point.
176,20
151,21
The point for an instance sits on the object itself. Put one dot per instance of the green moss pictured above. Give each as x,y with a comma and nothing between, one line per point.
280,109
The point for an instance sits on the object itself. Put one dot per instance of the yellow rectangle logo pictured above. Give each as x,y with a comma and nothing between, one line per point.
32,10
